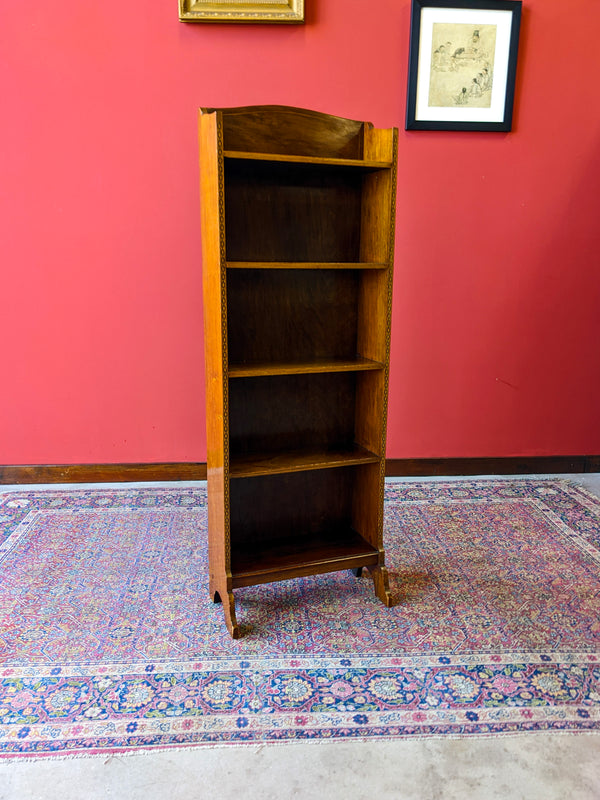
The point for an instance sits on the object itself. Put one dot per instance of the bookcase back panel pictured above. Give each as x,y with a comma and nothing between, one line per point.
291,412
291,506
291,315
291,212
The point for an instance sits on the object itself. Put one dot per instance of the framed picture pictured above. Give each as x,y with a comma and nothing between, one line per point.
241,10
462,64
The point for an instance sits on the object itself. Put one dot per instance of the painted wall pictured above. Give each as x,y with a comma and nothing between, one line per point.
496,331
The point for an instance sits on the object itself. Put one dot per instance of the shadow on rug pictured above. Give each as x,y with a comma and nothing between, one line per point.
109,641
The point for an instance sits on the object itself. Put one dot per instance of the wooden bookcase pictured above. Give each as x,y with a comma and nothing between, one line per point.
297,243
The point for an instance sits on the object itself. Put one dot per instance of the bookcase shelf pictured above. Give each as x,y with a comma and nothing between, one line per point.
303,265
297,241
353,163
327,551
265,368
300,460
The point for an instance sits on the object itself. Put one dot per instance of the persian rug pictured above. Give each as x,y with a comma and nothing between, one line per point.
110,643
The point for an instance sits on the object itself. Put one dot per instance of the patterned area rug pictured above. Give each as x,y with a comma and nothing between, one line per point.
109,642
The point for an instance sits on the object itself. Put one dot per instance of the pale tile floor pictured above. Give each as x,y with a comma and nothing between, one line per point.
529,767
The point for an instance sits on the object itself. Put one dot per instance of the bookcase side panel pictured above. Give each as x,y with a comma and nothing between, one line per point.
377,245
369,422
379,144
374,329
367,506
215,349
379,192
371,340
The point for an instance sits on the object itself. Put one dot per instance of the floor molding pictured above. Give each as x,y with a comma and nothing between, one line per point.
395,468
514,465
101,473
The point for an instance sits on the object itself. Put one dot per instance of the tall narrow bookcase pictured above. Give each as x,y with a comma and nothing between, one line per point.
297,243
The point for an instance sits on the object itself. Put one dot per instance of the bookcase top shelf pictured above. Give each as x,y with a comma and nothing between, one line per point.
243,155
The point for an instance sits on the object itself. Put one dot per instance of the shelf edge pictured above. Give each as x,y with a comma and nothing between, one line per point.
282,158
302,368
358,265
261,466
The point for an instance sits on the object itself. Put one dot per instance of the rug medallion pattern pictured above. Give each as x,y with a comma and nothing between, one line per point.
109,642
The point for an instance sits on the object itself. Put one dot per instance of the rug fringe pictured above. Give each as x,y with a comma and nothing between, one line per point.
110,755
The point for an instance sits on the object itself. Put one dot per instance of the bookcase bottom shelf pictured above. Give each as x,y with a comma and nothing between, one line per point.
294,557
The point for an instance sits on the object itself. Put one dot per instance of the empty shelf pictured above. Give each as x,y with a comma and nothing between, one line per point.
306,265
328,551
278,463
257,369
243,155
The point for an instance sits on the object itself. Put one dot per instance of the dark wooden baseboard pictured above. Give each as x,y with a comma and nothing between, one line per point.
102,473
395,468
517,465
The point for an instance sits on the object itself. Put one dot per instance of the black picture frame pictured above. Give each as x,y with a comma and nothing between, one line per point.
462,64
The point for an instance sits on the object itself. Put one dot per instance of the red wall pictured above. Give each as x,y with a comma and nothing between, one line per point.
497,286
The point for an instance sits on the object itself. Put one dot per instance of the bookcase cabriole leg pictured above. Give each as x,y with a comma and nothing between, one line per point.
379,574
228,611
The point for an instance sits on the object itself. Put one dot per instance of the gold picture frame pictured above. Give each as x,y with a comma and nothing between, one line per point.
291,11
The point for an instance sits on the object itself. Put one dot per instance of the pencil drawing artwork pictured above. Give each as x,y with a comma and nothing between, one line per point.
462,65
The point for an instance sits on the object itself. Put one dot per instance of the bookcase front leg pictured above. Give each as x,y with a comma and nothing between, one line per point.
382,586
230,620
226,597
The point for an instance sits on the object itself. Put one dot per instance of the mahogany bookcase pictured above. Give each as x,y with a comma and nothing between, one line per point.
298,213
